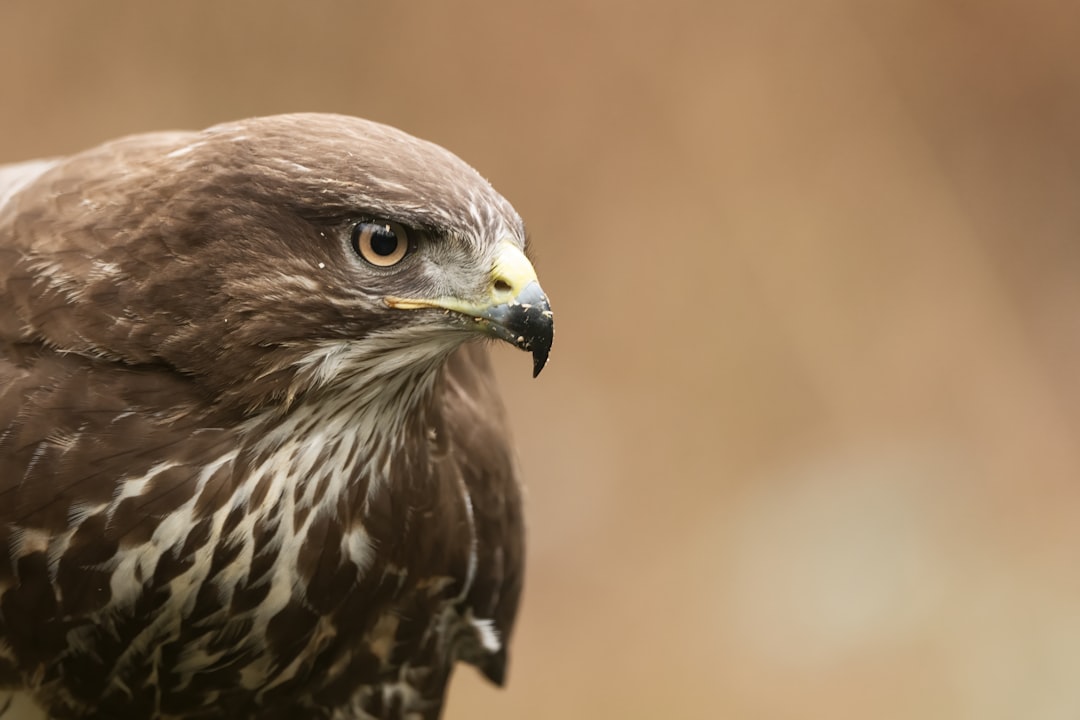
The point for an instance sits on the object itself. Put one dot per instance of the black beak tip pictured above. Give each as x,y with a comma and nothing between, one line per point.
540,358
530,318
540,324
527,323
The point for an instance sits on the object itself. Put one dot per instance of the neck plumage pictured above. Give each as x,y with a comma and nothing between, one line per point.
363,411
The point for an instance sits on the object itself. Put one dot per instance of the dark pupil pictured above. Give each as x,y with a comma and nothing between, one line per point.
383,241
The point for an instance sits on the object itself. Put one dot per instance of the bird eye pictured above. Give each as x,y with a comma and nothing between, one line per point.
380,243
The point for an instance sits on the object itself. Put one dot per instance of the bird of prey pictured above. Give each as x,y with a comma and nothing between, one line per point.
250,464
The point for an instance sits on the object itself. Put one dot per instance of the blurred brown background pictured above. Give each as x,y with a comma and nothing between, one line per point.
808,445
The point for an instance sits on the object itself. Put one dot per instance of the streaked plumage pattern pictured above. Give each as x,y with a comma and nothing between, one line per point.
236,481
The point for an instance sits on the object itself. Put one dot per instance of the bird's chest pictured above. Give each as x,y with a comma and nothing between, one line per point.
329,539
311,560
325,562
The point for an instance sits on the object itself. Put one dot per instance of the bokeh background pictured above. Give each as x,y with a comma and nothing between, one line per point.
808,443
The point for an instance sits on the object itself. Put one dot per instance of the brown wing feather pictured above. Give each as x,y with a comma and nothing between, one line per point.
480,452
71,432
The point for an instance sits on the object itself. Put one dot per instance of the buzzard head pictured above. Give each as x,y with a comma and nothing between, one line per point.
273,255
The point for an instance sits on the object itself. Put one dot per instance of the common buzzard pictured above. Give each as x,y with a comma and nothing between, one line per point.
250,464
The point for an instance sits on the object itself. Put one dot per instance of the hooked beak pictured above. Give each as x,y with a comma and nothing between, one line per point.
515,309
